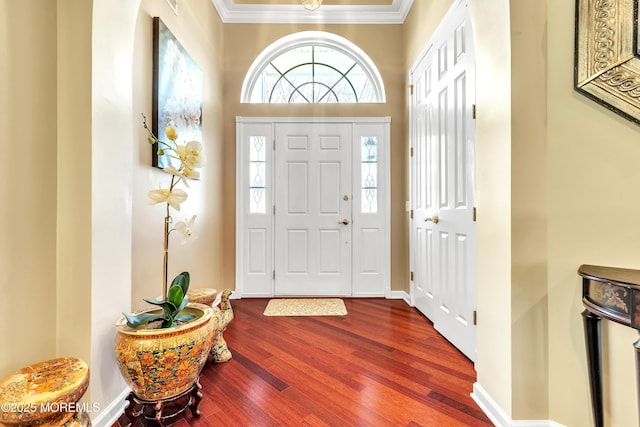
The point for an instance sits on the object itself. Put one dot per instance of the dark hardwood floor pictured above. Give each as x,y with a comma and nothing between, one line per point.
381,365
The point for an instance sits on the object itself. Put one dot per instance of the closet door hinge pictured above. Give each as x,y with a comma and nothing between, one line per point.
475,317
473,110
411,89
411,152
411,214
274,275
474,214
411,276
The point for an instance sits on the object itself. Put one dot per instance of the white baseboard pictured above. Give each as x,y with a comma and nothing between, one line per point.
400,295
391,295
498,417
113,411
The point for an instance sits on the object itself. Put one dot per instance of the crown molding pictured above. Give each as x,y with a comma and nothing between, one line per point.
230,12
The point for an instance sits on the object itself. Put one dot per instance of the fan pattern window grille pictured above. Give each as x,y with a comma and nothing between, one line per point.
313,68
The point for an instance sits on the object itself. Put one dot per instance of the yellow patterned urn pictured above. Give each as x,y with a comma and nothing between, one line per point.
162,363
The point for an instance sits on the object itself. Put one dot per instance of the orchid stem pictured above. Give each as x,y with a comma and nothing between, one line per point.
165,245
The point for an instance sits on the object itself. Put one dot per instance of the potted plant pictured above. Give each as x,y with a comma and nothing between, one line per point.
161,351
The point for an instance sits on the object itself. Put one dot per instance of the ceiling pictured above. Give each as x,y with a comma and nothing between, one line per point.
331,11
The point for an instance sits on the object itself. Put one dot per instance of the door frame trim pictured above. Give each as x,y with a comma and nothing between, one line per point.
243,288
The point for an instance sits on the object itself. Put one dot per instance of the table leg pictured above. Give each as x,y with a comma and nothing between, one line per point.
592,334
636,345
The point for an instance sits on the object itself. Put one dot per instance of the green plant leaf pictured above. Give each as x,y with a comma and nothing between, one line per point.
185,301
135,320
169,308
175,295
164,304
183,280
185,317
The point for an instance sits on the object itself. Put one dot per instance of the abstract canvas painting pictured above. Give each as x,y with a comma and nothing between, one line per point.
177,91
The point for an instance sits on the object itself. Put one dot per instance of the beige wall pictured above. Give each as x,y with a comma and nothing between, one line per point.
529,216
74,194
491,27
593,179
199,30
71,108
243,42
28,173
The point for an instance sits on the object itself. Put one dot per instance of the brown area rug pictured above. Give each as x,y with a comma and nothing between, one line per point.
306,307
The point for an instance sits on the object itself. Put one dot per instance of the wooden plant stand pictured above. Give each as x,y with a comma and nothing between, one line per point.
163,409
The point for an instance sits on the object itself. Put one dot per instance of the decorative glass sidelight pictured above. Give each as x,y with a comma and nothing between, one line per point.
257,174
369,174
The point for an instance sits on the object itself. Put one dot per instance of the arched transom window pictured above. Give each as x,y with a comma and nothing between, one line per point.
312,67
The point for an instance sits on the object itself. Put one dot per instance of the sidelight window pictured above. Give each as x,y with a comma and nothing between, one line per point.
257,175
369,172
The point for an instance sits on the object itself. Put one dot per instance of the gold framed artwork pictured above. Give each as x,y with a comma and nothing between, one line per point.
607,67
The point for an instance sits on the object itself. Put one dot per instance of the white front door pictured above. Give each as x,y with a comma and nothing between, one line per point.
313,208
297,181
442,178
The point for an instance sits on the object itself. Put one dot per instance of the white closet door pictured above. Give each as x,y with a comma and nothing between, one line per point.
443,168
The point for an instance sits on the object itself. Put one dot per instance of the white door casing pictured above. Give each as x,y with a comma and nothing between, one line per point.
289,219
442,181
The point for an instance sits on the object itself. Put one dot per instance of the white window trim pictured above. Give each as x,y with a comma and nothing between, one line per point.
303,38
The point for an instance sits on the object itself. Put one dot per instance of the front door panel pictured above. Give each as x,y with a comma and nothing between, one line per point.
313,216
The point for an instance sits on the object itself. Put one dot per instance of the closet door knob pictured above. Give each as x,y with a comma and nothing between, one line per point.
433,219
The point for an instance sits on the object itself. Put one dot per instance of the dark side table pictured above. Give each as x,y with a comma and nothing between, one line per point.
613,294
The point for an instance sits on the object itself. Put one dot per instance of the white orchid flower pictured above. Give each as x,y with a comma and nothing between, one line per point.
190,173
186,227
172,197
177,172
191,154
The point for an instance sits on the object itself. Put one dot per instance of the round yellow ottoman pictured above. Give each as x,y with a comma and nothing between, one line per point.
45,393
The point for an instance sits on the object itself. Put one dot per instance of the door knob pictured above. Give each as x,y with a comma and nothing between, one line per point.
433,219
344,221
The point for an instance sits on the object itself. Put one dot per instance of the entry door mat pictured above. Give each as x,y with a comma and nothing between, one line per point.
306,307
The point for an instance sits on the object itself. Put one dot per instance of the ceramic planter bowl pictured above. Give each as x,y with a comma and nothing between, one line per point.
162,363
